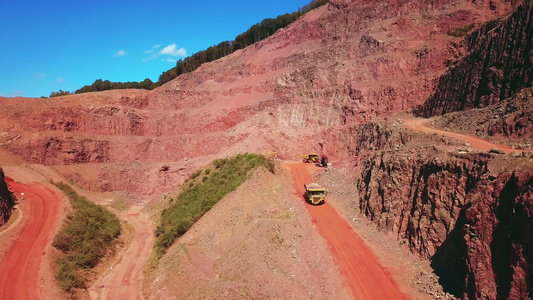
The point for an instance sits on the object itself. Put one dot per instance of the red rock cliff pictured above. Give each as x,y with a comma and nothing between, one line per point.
6,200
473,219
499,64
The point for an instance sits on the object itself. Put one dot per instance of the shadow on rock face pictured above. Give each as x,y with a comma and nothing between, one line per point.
449,262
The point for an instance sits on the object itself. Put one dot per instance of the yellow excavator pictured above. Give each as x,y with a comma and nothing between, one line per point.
315,158
310,158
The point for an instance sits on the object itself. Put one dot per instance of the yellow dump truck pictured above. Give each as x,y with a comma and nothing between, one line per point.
311,158
315,194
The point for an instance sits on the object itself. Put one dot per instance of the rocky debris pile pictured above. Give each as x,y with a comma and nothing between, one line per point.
314,185
6,200
429,283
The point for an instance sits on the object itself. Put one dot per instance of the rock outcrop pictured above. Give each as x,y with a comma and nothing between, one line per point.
465,212
499,64
6,200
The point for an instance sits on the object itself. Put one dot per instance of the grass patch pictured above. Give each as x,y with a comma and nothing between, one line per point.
286,216
202,194
461,30
120,203
88,235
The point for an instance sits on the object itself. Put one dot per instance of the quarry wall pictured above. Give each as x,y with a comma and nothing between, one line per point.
466,212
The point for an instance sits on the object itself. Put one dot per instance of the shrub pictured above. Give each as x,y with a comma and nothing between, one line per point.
87,236
196,174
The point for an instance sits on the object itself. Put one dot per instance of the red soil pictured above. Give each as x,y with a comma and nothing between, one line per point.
475,142
19,275
365,276
124,281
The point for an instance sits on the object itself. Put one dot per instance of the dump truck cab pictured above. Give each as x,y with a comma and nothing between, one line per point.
315,194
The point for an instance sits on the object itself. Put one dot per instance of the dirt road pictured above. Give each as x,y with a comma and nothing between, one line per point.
124,281
19,269
365,276
475,142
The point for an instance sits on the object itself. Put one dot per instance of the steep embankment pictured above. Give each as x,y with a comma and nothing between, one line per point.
471,214
6,200
340,64
499,64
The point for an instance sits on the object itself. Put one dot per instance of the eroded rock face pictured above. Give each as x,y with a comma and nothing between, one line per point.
499,63
472,218
6,200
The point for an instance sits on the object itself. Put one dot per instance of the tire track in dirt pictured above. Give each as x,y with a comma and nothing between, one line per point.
475,142
364,275
125,280
19,269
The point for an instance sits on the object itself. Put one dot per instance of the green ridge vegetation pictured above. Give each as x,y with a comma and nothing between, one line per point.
90,232
461,30
256,33
201,193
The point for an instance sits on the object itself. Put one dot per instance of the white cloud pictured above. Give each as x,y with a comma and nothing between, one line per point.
170,50
155,47
60,79
173,50
39,75
119,53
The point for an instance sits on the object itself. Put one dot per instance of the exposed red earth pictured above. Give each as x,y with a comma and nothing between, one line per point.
125,279
475,142
19,269
364,275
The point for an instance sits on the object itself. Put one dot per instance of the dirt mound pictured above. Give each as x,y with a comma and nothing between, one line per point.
257,242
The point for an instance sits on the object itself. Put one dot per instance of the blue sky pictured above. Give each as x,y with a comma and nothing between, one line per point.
48,45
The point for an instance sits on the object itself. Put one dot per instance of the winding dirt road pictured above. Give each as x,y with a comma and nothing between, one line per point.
365,276
19,269
475,142
125,280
